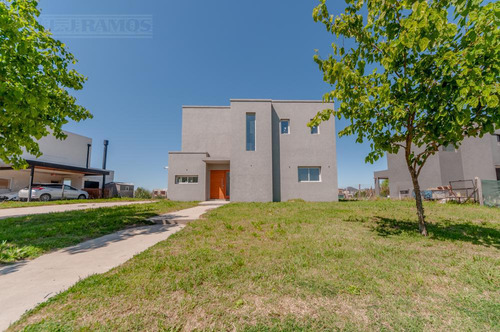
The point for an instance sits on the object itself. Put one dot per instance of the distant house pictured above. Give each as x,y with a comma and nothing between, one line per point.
63,161
254,150
120,189
476,157
159,193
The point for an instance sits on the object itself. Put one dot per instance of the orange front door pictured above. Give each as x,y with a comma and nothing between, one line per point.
218,184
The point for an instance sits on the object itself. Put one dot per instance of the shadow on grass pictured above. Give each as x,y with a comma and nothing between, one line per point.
447,230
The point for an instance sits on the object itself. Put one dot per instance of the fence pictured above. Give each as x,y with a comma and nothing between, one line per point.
95,193
490,193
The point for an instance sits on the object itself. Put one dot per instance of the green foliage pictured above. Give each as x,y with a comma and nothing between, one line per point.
142,193
384,188
435,78
35,75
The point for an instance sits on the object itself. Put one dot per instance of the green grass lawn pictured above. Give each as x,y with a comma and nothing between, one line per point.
15,204
31,236
300,266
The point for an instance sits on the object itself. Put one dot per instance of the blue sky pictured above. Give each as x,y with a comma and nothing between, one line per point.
200,53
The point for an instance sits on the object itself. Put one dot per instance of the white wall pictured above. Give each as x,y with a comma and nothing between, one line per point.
71,151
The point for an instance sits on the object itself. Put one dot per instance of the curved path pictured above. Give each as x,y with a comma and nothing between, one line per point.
25,284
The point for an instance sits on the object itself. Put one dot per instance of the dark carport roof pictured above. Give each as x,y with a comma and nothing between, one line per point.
67,168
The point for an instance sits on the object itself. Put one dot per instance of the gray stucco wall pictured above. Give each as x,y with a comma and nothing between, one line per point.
251,171
270,173
477,158
301,148
450,164
399,176
495,147
207,129
186,164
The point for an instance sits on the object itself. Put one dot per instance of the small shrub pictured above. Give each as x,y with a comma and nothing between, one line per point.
142,193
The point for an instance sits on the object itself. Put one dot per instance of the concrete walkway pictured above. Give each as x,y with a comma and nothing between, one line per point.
42,209
25,284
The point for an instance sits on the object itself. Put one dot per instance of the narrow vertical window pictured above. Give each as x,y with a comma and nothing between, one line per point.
314,130
285,126
250,125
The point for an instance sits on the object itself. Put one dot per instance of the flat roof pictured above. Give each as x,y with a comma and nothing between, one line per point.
260,100
187,152
68,168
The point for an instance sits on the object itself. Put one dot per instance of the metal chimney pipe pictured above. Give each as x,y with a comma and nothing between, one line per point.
88,155
105,154
104,159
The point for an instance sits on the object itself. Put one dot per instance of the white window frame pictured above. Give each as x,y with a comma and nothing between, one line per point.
288,132
254,129
178,179
310,131
309,174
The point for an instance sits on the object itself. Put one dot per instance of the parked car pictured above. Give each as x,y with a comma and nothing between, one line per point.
10,196
52,191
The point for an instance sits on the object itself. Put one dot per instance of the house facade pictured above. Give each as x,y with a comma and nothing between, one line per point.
476,157
254,150
62,161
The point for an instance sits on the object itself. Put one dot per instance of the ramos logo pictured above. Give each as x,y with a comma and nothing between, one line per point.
99,26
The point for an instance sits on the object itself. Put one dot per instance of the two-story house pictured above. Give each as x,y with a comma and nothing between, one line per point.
62,161
254,150
476,157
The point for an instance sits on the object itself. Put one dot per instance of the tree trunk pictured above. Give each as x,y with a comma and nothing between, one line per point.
420,205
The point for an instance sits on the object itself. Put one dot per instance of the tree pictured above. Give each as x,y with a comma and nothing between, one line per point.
384,188
142,193
433,80
35,76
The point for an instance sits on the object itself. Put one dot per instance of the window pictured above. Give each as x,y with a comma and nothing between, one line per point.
91,184
309,174
4,184
186,179
285,126
498,139
315,130
498,173
449,148
250,125
404,192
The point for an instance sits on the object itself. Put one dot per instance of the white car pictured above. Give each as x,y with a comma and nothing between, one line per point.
10,196
50,191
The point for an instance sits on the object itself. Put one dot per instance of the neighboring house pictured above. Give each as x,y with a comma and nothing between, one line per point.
63,161
159,193
254,150
476,157
120,189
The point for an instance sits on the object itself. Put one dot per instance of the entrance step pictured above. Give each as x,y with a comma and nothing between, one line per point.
187,215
